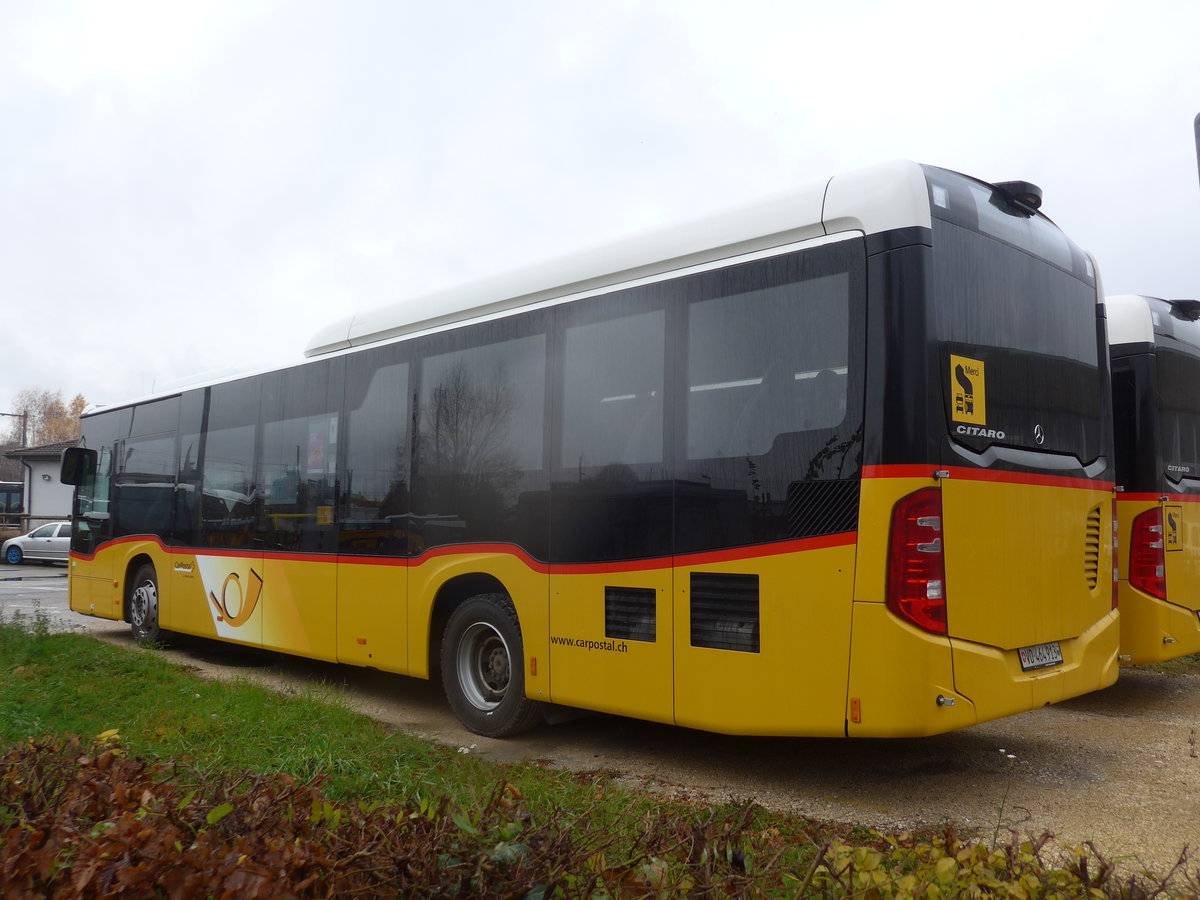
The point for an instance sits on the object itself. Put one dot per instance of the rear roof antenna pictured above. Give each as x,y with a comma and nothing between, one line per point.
1023,195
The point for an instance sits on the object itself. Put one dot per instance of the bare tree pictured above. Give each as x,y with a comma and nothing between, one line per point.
49,419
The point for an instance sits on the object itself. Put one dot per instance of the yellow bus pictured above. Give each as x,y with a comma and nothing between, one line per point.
1155,349
836,463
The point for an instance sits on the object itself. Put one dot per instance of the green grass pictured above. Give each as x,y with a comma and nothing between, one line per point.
71,684
57,685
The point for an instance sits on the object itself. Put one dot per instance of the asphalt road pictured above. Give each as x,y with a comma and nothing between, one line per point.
1120,767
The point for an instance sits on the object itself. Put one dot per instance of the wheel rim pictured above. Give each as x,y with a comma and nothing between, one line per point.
14,555
484,666
143,612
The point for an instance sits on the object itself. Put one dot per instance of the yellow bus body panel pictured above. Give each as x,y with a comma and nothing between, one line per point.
190,610
90,588
592,670
372,613
994,605
1154,630
300,614
96,584
1037,568
1036,562
897,673
795,684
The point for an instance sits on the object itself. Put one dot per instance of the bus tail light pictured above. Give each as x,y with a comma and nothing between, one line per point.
916,589
1147,560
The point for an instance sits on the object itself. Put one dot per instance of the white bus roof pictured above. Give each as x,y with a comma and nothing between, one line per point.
1129,319
868,201
1138,319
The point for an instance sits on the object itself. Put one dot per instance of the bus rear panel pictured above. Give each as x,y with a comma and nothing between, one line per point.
1155,350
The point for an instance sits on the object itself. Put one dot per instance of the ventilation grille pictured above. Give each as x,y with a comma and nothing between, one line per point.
1091,549
629,613
822,507
725,611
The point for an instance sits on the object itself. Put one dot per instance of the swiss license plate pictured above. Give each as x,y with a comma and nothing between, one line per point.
1040,656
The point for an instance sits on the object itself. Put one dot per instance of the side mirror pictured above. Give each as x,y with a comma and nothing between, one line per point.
78,465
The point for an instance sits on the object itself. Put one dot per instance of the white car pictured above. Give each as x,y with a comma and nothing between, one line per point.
46,543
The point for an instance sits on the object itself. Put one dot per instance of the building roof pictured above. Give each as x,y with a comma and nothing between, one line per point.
46,451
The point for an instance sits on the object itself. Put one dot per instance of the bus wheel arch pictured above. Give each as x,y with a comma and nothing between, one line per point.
481,659
141,600
452,594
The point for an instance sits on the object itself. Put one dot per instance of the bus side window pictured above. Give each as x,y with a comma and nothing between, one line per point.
613,392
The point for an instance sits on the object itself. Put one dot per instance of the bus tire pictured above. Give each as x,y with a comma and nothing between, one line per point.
143,606
483,670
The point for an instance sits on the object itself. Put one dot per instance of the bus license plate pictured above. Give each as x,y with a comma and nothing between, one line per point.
1040,656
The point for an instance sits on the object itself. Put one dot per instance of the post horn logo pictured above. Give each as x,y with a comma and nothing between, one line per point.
243,604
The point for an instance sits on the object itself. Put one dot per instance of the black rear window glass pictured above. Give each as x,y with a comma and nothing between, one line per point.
1024,335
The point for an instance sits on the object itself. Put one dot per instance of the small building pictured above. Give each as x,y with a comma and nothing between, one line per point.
46,498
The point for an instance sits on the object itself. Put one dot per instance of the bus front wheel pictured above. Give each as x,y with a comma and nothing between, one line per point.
143,606
483,669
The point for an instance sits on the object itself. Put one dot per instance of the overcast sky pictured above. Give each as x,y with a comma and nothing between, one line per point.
196,187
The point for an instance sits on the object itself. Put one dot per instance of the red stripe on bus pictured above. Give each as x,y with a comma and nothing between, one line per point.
965,474
1155,498
708,557
199,552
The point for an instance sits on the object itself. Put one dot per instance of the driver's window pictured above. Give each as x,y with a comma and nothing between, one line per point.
45,531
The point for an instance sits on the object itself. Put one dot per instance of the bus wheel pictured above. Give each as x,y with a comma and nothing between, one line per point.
143,606
483,668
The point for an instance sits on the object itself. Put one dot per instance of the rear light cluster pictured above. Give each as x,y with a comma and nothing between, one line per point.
916,589
1147,559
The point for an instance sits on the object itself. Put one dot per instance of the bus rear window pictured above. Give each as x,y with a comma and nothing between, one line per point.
1030,331
1179,413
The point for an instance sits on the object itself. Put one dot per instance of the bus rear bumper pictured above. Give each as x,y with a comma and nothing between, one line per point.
1154,630
901,679
997,685
907,683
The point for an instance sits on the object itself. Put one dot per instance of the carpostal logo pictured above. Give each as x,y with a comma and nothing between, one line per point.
234,590
975,431
237,603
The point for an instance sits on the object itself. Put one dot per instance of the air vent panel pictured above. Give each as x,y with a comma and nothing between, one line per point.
1091,549
822,507
630,613
725,610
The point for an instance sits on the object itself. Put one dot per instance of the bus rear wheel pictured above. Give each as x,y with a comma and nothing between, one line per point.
483,671
143,606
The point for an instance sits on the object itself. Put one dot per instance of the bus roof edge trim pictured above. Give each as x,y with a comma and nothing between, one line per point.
879,198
